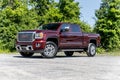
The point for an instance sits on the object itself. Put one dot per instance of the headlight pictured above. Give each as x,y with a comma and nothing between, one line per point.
39,35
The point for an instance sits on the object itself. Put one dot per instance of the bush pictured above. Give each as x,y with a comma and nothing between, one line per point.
100,50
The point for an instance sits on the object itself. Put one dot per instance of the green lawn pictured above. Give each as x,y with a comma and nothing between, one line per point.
112,53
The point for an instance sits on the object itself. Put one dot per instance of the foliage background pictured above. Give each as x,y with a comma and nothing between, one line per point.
17,15
108,24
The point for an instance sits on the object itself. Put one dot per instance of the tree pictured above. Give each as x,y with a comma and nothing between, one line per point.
85,26
71,13
70,9
53,13
41,6
14,19
47,11
108,24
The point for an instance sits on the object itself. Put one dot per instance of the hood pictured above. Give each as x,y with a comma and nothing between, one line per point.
37,31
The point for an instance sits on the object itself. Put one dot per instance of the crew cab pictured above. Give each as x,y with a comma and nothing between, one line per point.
51,38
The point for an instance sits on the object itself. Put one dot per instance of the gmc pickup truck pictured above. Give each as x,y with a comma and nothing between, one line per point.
54,37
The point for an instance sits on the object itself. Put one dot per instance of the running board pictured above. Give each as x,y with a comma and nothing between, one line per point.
72,50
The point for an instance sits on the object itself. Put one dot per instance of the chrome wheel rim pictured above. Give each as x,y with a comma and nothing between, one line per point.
49,50
93,50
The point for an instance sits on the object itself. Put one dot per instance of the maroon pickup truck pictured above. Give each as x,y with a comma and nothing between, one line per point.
53,37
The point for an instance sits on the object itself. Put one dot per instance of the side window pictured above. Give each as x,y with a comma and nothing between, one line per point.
75,28
65,26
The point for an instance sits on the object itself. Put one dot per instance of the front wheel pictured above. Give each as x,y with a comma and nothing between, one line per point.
26,54
50,50
91,50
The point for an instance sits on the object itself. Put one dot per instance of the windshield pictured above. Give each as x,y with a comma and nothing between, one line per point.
49,26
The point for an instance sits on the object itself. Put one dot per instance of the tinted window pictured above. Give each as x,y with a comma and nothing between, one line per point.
75,28
53,26
63,26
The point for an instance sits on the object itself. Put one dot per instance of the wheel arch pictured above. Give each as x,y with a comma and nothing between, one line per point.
93,41
55,40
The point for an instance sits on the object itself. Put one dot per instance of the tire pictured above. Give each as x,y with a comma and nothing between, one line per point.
50,50
91,50
68,53
26,54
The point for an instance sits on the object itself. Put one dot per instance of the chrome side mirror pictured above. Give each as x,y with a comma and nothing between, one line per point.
66,29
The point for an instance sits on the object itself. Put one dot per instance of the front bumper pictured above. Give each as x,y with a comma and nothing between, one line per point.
27,49
36,46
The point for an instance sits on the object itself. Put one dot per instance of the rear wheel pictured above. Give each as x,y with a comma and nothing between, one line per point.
69,53
50,50
91,50
26,54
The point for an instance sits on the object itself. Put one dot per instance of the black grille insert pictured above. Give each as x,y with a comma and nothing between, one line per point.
23,36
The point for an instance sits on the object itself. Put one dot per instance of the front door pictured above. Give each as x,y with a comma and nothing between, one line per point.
71,38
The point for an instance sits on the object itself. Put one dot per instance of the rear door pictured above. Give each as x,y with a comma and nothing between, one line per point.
76,38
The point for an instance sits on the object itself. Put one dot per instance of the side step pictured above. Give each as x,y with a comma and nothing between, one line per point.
72,50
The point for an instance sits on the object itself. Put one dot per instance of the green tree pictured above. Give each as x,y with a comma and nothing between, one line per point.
108,23
53,13
41,6
85,26
14,19
70,9
47,11
71,13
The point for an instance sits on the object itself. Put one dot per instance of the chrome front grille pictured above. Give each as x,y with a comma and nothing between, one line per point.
26,36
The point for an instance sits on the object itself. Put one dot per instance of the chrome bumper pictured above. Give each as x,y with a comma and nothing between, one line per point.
27,48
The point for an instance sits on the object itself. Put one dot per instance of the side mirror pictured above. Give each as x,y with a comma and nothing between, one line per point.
66,29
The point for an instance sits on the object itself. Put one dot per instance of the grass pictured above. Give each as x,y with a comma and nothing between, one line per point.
6,52
101,51
114,53
111,53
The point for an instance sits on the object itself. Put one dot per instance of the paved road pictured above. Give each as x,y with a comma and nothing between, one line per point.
15,67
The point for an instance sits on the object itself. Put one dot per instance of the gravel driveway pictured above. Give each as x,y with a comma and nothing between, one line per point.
15,67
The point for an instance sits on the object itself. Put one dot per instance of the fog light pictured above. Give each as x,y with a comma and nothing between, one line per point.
37,44
18,47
